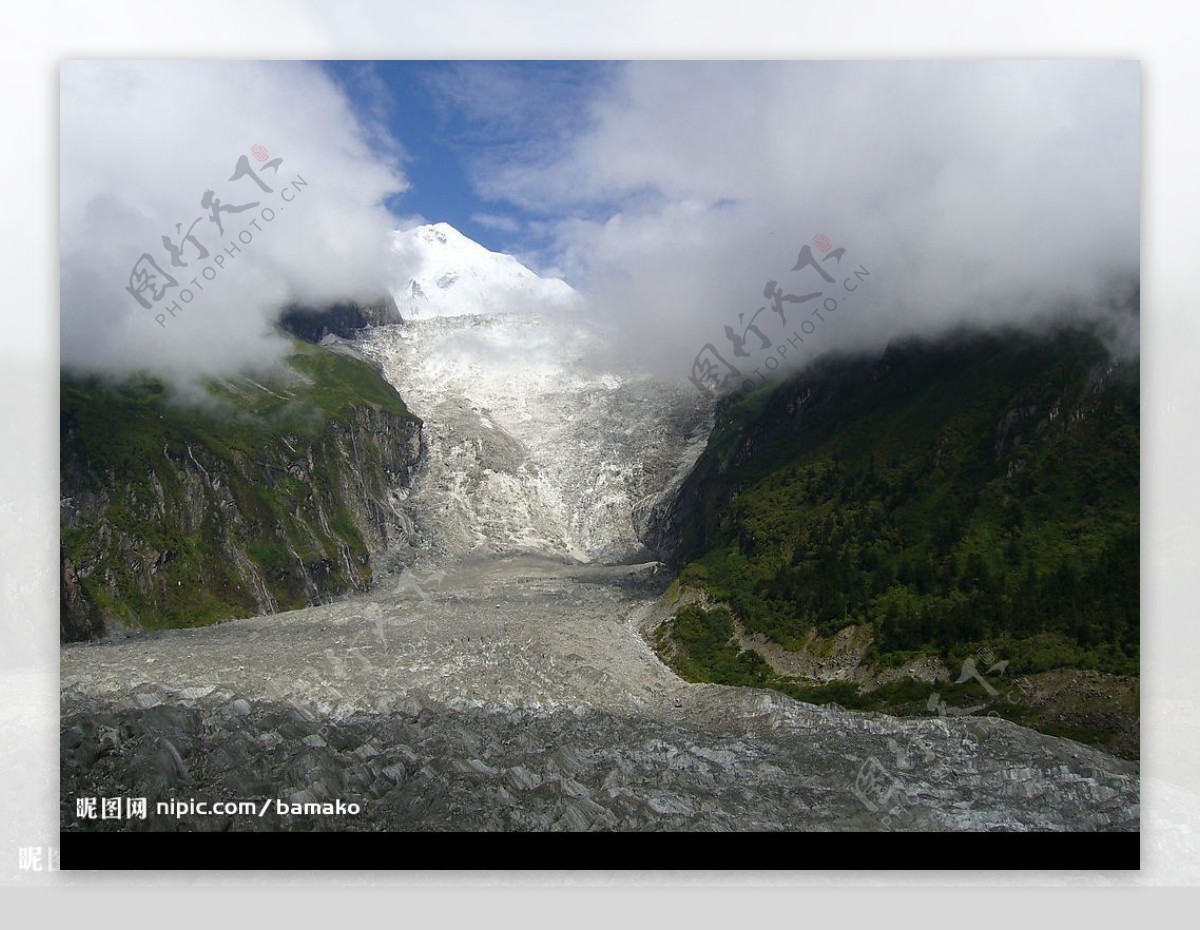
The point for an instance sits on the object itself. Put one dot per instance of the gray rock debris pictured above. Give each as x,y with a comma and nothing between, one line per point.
436,709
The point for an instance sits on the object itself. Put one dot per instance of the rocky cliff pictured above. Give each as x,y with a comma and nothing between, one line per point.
268,495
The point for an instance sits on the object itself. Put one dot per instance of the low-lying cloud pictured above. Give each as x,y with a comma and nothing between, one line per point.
973,192
142,143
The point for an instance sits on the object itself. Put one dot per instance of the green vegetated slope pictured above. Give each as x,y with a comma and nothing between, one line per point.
971,497
263,495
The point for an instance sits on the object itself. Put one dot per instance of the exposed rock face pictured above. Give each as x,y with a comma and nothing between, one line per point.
190,528
679,526
519,695
312,324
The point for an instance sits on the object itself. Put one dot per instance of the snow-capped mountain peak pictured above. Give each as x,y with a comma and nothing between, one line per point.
448,274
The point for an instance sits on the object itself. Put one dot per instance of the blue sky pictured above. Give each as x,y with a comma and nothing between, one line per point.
457,121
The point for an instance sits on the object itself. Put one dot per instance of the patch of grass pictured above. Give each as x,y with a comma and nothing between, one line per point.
705,650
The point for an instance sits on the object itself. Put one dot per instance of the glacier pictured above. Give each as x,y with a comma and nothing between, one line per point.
532,445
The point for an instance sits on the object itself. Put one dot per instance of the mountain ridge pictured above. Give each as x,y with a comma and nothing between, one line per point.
860,530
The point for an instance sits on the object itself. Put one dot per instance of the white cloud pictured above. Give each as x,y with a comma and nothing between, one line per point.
973,191
141,142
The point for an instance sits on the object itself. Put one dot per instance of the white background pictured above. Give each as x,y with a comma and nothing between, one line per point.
1159,34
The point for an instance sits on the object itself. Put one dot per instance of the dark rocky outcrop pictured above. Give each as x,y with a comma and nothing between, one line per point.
312,324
